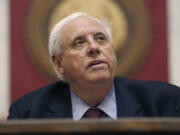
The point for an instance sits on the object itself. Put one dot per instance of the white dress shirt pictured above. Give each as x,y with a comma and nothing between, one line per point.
108,105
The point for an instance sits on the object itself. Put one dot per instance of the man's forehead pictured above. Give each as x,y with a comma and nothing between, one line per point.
82,21
83,24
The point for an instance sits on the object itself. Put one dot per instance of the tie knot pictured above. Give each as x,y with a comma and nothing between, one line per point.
93,113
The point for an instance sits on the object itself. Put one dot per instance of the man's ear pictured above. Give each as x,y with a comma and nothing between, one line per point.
58,63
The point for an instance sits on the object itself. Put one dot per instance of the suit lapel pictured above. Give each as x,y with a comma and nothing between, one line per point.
60,106
127,105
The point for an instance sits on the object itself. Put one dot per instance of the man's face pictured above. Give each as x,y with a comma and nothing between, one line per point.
87,54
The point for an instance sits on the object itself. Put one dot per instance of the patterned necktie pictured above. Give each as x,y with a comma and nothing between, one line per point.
94,113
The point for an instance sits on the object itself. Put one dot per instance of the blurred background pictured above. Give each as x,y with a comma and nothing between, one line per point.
146,39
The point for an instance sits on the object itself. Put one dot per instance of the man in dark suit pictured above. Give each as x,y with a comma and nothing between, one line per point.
81,51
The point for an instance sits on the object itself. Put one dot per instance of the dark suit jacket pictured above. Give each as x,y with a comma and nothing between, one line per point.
134,99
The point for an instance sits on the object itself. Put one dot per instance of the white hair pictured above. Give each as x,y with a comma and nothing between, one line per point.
55,35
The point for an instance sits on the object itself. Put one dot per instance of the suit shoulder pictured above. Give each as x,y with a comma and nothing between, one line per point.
37,97
146,85
44,90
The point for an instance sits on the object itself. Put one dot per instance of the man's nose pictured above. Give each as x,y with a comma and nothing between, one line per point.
93,49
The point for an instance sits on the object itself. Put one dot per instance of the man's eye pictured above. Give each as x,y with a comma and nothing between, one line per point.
101,38
78,43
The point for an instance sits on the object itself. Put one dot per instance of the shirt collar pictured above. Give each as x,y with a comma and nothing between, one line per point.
108,105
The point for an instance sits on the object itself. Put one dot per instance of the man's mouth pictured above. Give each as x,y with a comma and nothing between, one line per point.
94,63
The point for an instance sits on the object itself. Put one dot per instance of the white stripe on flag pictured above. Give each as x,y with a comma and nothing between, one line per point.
4,57
174,41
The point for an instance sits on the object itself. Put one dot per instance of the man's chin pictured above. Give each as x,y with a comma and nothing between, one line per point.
99,78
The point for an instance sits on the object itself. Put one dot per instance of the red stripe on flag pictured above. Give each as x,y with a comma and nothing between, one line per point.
23,77
156,66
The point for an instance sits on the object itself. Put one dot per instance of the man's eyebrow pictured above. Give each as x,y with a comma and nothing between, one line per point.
98,33
102,34
77,38
82,36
